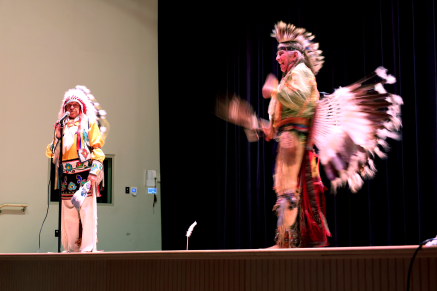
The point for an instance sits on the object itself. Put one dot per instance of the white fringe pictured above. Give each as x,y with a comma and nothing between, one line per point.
384,144
95,218
380,153
372,165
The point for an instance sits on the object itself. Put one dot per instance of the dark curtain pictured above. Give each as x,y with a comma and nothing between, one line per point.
211,173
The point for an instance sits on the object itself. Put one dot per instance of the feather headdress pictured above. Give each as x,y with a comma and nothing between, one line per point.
88,105
301,40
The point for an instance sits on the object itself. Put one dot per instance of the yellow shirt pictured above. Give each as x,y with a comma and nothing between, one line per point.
96,142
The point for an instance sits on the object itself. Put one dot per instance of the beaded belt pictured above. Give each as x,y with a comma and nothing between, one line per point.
75,166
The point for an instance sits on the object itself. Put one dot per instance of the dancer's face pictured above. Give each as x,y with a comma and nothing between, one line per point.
73,108
286,59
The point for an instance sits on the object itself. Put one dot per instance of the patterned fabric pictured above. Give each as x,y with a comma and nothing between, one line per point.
96,167
75,175
72,182
87,148
75,166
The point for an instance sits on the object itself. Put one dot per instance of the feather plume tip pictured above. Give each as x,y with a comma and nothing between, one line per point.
190,229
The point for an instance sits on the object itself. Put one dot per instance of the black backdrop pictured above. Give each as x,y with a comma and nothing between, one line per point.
212,175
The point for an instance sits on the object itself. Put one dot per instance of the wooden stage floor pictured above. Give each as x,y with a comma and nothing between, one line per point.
357,268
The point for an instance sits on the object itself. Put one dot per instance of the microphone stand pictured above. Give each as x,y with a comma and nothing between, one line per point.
60,173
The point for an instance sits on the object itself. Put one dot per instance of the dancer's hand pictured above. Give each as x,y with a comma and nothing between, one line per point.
270,85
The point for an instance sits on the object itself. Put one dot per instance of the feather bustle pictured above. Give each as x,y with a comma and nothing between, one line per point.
363,113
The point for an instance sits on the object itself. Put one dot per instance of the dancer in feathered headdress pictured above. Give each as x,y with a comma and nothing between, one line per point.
291,38
82,161
347,127
300,201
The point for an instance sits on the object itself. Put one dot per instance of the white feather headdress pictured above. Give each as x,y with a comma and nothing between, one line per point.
89,107
300,39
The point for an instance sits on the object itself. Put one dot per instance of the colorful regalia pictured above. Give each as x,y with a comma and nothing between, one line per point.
81,156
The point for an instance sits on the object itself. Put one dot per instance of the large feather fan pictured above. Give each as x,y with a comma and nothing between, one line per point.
351,127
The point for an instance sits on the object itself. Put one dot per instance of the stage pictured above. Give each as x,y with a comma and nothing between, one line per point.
357,268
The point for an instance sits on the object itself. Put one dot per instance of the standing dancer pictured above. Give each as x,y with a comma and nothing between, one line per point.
348,127
300,204
82,160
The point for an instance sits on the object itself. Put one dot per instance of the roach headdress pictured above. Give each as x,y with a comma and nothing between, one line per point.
291,37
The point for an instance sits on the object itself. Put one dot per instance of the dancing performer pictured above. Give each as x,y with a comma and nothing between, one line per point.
82,161
347,127
300,204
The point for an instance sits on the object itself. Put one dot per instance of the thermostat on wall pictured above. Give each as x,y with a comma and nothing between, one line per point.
133,190
151,190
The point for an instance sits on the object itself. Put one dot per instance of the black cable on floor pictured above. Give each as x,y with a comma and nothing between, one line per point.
48,202
48,205
412,260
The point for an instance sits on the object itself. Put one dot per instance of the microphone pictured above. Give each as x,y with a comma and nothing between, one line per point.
66,114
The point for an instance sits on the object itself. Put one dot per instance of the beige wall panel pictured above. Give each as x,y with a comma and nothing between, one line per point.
47,47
